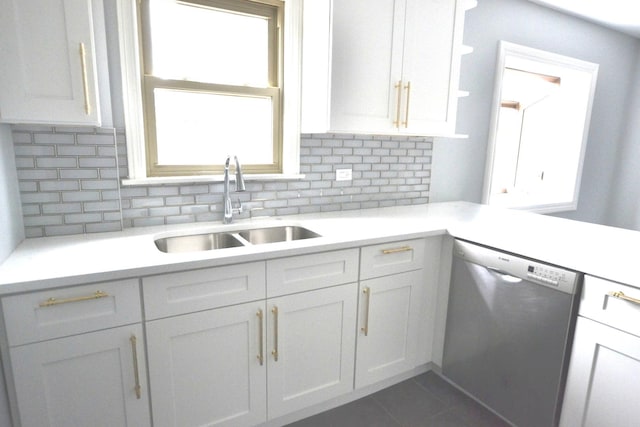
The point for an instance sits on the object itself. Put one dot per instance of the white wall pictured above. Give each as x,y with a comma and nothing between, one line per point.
458,165
11,225
625,203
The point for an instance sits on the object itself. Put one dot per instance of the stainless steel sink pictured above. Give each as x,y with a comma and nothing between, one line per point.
197,242
233,239
287,233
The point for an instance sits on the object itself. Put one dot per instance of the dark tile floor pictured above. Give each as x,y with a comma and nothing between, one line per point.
423,401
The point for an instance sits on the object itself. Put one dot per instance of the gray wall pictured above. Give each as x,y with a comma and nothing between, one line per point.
11,225
458,165
625,204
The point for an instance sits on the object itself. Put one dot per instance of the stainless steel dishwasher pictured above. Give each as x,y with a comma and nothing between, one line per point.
509,326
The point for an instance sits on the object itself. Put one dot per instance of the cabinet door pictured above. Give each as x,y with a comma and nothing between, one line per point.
311,342
430,66
205,368
83,380
602,387
387,326
48,65
367,62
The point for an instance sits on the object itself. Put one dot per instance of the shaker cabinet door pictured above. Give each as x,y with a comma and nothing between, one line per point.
93,379
48,62
602,385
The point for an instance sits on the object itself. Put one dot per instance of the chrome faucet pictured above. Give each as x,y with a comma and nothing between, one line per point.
228,207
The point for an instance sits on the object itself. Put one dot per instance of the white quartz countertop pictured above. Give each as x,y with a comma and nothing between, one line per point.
602,251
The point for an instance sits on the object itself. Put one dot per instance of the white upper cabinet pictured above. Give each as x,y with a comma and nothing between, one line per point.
394,66
48,62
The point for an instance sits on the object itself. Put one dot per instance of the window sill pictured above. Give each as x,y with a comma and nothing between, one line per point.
207,178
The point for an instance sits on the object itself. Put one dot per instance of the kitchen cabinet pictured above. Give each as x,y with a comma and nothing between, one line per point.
605,358
208,368
67,367
394,66
48,62
93,379
311,344
388,314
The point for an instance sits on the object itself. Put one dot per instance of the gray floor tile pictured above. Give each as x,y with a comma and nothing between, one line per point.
423,401
440,388
409,403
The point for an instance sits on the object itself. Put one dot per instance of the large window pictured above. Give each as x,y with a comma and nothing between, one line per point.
204,79
211,85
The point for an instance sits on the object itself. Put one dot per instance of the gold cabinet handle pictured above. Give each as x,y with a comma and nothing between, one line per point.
406,111
85,79
622,296
136,374
398,87
55,301
260,341
396,250
367,292
274,352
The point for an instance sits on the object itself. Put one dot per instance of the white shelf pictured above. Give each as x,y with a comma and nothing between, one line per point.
465,50
463,93
469,4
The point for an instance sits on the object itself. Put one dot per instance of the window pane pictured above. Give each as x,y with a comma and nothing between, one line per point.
197,43
195,128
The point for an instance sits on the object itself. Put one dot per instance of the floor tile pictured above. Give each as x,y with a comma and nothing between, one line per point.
440,388
409,403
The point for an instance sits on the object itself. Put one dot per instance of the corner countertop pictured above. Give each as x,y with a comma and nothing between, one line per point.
602,251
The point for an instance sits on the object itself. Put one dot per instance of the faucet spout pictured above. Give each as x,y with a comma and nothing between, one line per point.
228,206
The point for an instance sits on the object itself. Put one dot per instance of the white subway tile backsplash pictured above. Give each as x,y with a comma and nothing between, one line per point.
69,181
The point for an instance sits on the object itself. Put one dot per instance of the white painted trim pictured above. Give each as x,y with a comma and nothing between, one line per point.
132,92
511,49
131,87
207,178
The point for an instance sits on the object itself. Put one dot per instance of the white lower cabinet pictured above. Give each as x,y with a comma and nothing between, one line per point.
205,368
603,387
387,326
602,383
211,368
93,379
311,344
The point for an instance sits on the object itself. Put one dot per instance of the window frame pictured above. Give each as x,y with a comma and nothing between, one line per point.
132,63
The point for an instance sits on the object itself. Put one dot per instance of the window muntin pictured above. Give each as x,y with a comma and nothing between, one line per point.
201,107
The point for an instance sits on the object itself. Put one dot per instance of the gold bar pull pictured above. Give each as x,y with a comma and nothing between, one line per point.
622,296
55,301
136,374
85,79
406,111
274,352
367,292
398,87
260,341
396,250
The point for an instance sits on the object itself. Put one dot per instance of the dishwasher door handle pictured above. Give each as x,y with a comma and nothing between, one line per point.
504,275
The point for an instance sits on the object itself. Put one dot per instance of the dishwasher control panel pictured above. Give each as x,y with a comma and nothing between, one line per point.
505,263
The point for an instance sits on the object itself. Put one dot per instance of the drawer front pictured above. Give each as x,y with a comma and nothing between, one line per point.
189,291
391,258
598,303
307,272
56,313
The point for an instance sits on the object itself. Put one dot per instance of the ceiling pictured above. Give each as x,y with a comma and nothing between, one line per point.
621,15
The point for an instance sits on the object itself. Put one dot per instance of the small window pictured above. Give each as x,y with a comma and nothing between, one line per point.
212,85
540,123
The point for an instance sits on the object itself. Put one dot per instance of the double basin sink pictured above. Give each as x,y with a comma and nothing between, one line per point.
233,239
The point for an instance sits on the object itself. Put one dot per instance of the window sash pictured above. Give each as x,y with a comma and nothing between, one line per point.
272,9
154,169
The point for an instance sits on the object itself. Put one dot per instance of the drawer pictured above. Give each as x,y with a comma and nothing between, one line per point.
189,291
598,303
391,258
56,313
306,272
